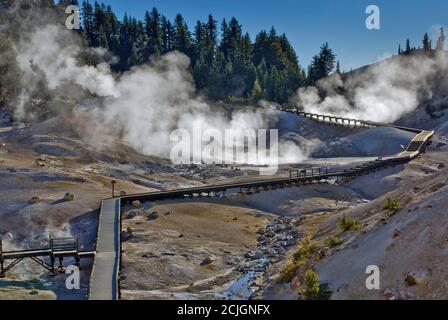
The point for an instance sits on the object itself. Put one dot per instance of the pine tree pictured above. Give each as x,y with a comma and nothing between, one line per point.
153,31
87,19
224,45
234,36
182,38
102,38
426,43
321,65
236,67
257,91
408,46
167,35
199,40
211,39
134,58
200,73
441,41
211,28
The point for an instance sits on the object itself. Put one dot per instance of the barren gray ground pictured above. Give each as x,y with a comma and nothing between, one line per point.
230,247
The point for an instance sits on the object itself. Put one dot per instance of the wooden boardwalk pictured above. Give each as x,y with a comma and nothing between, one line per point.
104,278
104,281
57,249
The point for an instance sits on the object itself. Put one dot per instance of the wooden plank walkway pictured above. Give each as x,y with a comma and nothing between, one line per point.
104,278
104,282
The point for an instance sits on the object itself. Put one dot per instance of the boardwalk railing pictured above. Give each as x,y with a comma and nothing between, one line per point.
58,248
105,272
104,281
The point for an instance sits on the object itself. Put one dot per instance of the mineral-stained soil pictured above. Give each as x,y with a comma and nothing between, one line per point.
410,246
191,247
231,247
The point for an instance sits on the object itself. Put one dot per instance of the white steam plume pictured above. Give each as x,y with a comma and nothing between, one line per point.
144,105
382,92
56,53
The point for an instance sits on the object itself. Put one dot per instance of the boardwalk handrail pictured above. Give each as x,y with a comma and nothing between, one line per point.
348,122
58,248
104,280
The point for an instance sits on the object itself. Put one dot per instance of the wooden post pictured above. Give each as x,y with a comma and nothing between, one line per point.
61,267
2,271
52,258
77,259
113,182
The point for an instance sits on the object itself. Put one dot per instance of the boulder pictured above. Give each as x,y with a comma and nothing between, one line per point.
136,204
34,200
416,277
132,214
206,261
154,215
127,234
69,196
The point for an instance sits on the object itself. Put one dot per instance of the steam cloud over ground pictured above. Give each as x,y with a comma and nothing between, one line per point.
383,92
144,105
141,107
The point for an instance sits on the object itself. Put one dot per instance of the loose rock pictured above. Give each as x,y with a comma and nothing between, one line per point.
206,261
69,196
136,204
416,277
34,200
154,215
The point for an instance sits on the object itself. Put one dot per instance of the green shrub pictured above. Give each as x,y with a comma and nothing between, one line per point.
334,241
392,206
311,291
347,224
305,250
288,272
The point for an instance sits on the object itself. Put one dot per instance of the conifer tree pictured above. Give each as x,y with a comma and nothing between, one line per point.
426,43
408,46
441,41
182,38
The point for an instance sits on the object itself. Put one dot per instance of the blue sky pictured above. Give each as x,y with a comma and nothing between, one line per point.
308,24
